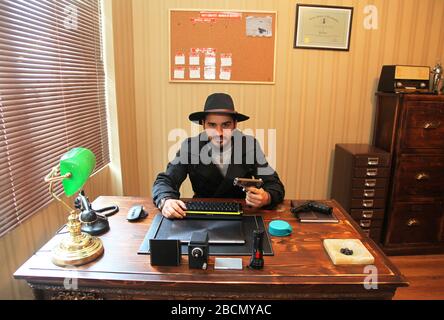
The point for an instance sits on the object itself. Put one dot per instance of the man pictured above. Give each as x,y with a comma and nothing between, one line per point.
213,159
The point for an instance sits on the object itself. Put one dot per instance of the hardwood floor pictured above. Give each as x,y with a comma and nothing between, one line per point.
425,275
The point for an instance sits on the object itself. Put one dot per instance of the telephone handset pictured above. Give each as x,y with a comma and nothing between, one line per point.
92,221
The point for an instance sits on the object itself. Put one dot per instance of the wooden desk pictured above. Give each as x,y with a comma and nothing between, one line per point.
300,268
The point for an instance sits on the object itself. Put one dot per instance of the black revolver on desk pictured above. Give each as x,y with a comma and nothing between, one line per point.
313,206
246,183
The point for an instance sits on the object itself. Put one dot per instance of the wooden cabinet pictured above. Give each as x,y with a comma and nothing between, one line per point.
360,184
411,128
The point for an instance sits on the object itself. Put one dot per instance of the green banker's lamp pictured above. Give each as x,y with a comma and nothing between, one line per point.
75,248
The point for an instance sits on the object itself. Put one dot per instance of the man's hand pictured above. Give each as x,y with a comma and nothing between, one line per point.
174,209
257,198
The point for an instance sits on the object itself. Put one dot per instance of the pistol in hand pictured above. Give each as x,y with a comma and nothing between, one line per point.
246,183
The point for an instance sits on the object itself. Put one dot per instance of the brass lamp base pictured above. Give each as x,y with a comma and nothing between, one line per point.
77,247
78,250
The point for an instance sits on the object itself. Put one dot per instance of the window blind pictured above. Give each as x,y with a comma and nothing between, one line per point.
52,97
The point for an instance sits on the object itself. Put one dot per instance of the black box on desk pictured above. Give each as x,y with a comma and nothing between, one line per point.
165,252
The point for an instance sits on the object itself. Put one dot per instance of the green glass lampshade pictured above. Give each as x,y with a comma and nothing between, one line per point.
80,162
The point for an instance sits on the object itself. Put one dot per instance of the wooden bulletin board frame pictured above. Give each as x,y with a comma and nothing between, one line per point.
219,47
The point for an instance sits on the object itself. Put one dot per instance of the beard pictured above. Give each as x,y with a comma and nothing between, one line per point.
220,141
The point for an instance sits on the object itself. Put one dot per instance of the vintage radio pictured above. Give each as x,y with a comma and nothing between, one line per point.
404,79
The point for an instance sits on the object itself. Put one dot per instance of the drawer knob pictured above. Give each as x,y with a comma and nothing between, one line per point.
367,203
372,172
422,176
432,125
365,223
370,183
373,161
413,222
367,214
369,193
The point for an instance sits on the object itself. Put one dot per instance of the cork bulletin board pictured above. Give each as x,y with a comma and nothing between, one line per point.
222,46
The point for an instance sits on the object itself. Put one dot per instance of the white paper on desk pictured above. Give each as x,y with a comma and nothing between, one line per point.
210,73
228,264
225,74
179,73
194,72
226,60
259,26
179,59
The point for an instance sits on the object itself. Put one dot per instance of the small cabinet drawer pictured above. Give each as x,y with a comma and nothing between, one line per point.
371,172
367,203
420,177
374,233
369,183
424,126
359,214
416,223
375,160
368,193
368,223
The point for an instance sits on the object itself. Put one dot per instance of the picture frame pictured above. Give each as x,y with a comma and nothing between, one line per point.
323,27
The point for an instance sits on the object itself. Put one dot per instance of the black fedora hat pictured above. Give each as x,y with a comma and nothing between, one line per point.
219,103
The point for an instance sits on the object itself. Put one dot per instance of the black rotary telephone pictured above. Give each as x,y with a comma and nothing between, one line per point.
92,221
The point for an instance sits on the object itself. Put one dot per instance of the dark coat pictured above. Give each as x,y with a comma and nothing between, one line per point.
247,160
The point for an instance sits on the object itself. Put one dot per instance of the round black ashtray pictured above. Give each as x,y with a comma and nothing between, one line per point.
347,251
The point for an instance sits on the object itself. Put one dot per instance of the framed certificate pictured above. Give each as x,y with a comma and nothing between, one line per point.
323,27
